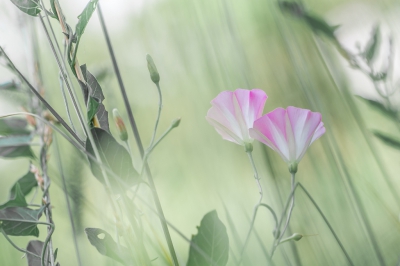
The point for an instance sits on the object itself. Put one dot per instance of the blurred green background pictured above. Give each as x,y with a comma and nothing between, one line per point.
202,48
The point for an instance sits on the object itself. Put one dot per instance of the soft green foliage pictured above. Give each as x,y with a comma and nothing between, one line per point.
9,126
17,200
371,49
96,97
115,157
379,107
84,18
16,146
25,184
20,221
106,246
211,244
388,139
30,7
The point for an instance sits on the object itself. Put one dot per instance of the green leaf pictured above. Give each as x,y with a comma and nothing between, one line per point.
11,126
114,156
212,240
392,141
53,8
379,107
26,184
370,49
18,200
84,18
319,25
93,106
94,91
9,85
20,221
30,7
106,246
36,247
16,146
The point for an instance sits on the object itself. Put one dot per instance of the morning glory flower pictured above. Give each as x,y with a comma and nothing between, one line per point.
233,113
289,132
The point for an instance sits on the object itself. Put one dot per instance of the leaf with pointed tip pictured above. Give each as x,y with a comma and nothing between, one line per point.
20,221
115,157
94,91
30,7
319,25
16,146
379,107
392,141
92,108
369,52
53,9
35,247
84,18
26,184
18,200
106,245
10,126
212,239
10,85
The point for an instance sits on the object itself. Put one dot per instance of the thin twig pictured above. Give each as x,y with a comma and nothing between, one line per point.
137,138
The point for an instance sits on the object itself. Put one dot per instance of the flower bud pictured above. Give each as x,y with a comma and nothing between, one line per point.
248,147
297,236
176,123
155,77
293,167
119,123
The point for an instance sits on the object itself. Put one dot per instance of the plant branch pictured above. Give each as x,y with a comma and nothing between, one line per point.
137,138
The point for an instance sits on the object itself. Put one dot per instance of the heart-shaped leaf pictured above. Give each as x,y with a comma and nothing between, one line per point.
211,244
20,221
105,245
114,156
30,7
26,184
17,200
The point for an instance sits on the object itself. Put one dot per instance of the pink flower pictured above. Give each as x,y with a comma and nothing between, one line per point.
288,132
233,113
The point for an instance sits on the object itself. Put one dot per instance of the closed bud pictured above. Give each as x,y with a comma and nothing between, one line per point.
119,123
176,122
297,236
248,147
155,77
293,167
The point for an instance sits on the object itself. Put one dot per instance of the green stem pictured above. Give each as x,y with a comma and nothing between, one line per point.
45,103
257,178
64,185
137,138
16,247
158,115
327,223
291,200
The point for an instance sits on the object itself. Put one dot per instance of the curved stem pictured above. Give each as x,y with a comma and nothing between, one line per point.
137,138
290,210
16,247
257,178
